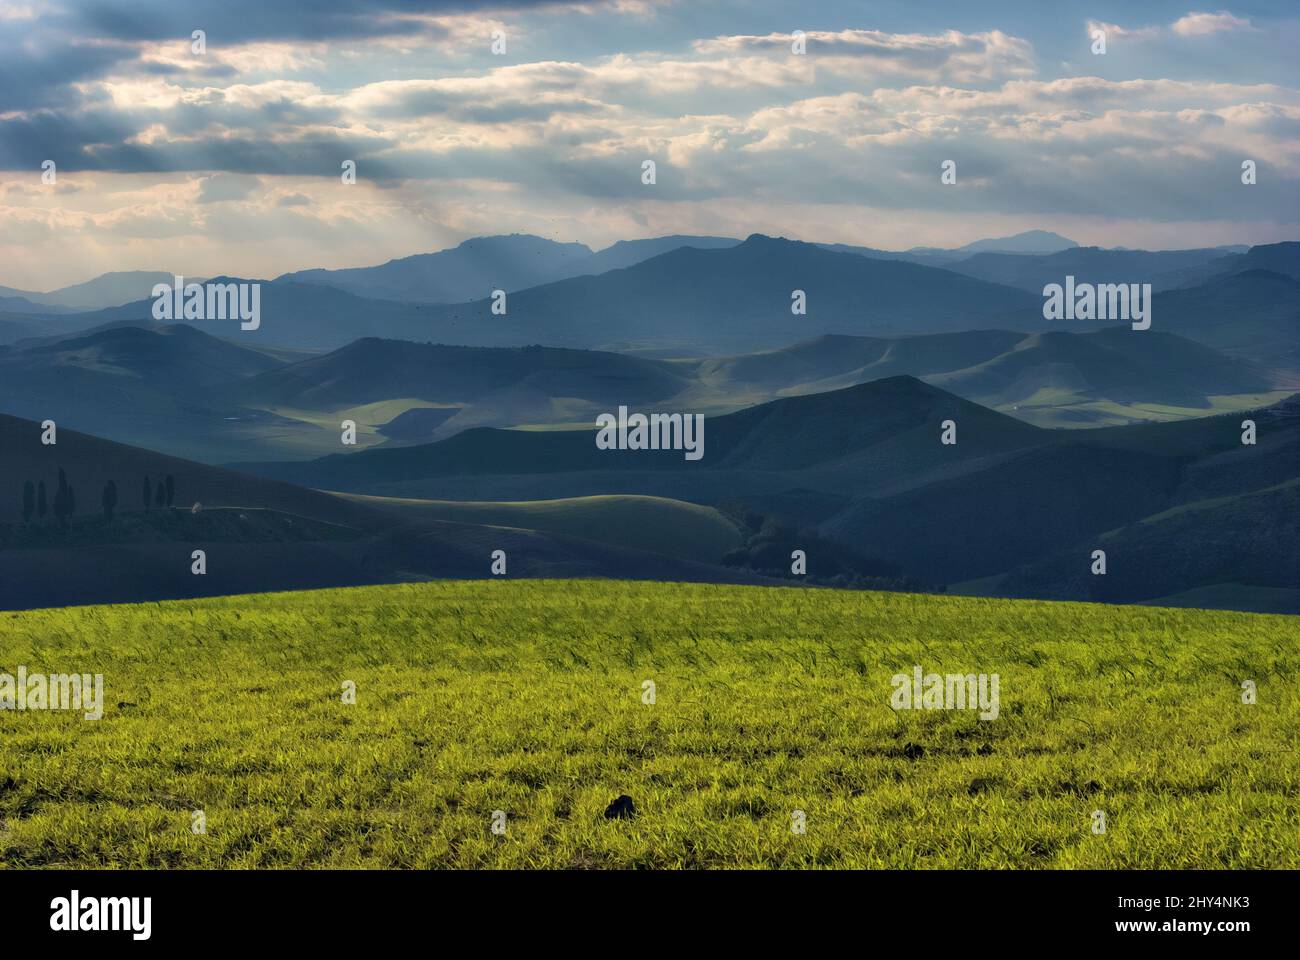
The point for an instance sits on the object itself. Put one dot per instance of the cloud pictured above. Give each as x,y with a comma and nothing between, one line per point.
1201,24
1115,30
951,54
221,187
1191,25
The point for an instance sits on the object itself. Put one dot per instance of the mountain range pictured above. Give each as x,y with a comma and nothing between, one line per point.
477,267
1001,509
825,375
175,388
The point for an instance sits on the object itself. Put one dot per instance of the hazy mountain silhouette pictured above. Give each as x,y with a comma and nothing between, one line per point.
737,297
476,267
1031,242
1086,265
627,253
1283,258
471,270
106,290
300,316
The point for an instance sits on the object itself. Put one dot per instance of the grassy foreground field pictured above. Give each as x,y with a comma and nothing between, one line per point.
527,697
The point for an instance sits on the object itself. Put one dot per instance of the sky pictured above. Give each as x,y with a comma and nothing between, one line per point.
229,160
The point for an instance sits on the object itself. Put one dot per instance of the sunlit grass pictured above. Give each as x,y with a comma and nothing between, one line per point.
526,697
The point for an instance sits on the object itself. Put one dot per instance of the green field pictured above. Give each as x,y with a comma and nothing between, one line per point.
526,697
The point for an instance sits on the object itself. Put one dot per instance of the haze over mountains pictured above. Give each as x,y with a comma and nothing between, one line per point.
511,262
177,389
821,426
722,299
1163,269
477,267
106,290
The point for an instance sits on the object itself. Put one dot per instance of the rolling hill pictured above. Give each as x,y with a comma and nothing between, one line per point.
1231,551
153,386
91,462
372,369
1254,315
1114,364
894,421
864,465
674,528
262,535
17,326
1009,508
1049,379
526,697
183,391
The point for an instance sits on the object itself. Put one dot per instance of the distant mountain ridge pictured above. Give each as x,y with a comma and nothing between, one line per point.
735,297
1163,269
471,270
106,290
476,267
1032,242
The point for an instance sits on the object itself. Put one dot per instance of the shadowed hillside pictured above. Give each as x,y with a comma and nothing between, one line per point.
897,419
865,466
264,535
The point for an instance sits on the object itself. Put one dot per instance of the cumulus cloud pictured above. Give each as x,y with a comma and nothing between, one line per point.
951,54
1191,25
221,187
1200,24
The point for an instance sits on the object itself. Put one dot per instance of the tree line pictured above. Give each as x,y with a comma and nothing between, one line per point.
36,502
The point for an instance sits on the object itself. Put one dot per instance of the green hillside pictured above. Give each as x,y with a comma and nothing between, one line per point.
892,423
1248,540
372,369
263,535
657,524
527,698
